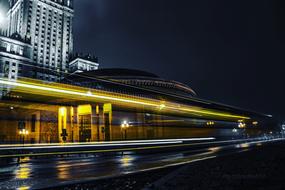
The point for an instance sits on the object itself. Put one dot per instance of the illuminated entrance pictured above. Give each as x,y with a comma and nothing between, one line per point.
84,128
85,123
62,124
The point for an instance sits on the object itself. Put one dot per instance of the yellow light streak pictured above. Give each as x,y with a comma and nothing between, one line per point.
24,188
161,106
63,91
79,92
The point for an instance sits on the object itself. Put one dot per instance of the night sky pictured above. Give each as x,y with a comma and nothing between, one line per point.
231,52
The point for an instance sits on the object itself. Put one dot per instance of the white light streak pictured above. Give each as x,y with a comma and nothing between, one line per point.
107,144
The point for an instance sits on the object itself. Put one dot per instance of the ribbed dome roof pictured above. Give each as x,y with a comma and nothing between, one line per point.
135,78
118,72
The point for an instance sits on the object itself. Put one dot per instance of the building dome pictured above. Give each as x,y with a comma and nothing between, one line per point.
135,78
113,73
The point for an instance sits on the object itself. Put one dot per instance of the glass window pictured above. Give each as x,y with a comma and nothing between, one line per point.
21,51
8,48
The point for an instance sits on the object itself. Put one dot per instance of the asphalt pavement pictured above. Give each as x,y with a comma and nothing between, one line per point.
60,171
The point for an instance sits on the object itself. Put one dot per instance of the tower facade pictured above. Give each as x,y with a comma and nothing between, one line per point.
48,26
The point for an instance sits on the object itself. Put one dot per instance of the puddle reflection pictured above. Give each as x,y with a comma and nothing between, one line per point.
24,188
63,172
126,160
23,170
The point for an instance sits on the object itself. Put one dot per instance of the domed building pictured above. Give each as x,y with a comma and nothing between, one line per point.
215,119
135,78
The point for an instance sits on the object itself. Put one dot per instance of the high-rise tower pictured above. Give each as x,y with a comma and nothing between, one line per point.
47,24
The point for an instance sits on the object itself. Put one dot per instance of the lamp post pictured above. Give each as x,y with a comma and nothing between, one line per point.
124,126
23,133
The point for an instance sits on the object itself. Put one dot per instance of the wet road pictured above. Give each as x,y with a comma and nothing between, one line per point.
43,172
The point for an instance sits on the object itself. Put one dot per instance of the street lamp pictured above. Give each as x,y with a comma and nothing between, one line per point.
124,126
241,125
23,133
235,130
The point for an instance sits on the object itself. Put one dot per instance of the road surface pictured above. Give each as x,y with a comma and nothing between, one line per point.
50,171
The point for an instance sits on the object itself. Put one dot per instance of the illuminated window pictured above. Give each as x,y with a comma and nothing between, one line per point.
8,48
21,51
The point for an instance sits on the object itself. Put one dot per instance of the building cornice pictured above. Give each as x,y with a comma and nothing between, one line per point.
13,56
83,60
10,40
54,4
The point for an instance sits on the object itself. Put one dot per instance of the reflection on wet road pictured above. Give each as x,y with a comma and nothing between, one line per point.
34,173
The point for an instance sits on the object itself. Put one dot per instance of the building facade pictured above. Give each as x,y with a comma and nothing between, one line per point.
47,24
15,57
44,30
98,106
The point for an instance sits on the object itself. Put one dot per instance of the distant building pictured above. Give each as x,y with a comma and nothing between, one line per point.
39,41
47,24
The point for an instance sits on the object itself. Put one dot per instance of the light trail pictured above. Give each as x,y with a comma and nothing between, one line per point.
101,146
130,149
87,93
70,92
65,171
174,164
108,143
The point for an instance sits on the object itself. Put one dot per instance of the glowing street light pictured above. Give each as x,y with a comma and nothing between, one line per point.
124,126
23,133
209,123
241,125
255,123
